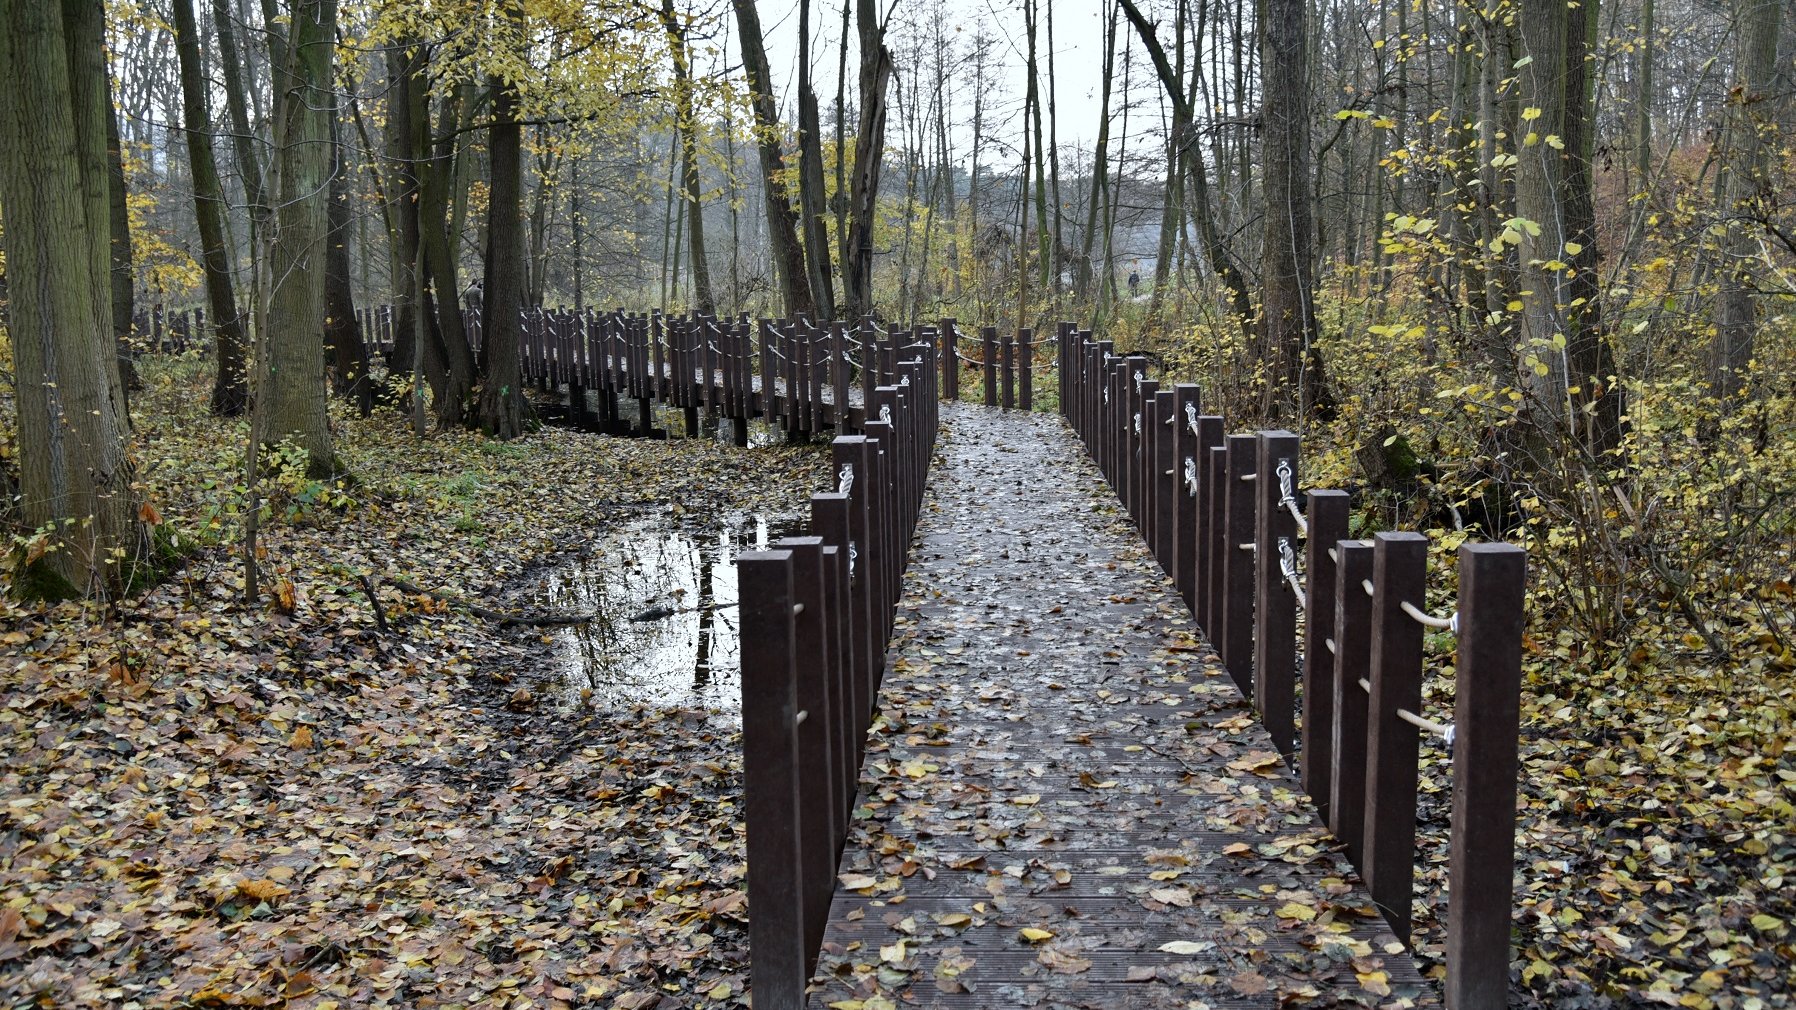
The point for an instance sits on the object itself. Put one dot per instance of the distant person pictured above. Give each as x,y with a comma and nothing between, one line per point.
1134,283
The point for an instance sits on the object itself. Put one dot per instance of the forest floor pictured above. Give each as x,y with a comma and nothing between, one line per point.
204,804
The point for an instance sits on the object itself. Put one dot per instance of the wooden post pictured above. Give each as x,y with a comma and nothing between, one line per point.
849,454
1187,404
839,380
950,360
1025,352
1352,663
1327,514
1141,484
1399,575
1212,508
1165,471
1237,561
988,339
764,402
819,814
1007,356
1275,604
778,955
1487,696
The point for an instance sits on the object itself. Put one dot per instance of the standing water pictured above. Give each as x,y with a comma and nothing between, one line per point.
667,632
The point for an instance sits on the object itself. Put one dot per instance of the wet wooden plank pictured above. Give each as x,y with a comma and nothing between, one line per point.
1067,802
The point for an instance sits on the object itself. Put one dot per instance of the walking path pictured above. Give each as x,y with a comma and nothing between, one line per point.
1068,803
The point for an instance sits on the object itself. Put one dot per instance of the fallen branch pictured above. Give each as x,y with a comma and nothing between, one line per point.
532,620
660,613
380,616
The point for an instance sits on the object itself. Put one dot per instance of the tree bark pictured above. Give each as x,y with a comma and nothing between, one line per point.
504,413
348,353
869,155
1288,252
75,476
782,223
290,371
689,175
124,290
1751,134
811,196
230,384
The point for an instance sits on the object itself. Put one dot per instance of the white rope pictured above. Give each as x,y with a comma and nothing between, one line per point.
1191,475
1287,566
1330,643
1450,622
1287,496
1191,417
1442,730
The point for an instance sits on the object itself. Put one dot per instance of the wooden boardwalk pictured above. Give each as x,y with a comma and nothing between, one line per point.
1069,804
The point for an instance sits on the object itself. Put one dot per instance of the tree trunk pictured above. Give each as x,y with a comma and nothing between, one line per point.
811,196
504,413
230,385
1100,166
869,154
290,371
1751,135
342,330
782,223
689,177
75,475
1288,255
435,179
119,226
1221,260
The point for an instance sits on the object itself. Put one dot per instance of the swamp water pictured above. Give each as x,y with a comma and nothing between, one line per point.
681,580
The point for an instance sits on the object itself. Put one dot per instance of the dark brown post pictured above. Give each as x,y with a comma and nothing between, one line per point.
988,339
820,816
849,455
1353,663
1212,507
1237,561
1327,514
1141,489
1187,403
1165,471
1488,685
1275,602
816,356
1007,358
779,959
950,360
1399,575
1025,352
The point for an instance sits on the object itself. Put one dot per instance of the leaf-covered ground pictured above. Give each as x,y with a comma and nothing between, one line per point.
208,805
202,805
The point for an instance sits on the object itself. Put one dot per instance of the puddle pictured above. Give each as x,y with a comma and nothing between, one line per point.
690,657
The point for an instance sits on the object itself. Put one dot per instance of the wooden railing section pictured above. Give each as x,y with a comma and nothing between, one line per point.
1223,515
816,614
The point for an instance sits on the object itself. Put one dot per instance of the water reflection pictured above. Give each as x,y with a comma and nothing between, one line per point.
686,650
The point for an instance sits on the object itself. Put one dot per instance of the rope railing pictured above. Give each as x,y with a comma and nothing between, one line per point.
1324,634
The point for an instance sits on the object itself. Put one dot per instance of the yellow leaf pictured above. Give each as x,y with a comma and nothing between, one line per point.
954,920
1295,910
1032,934
1530,113
262,890
1766,923
301,738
